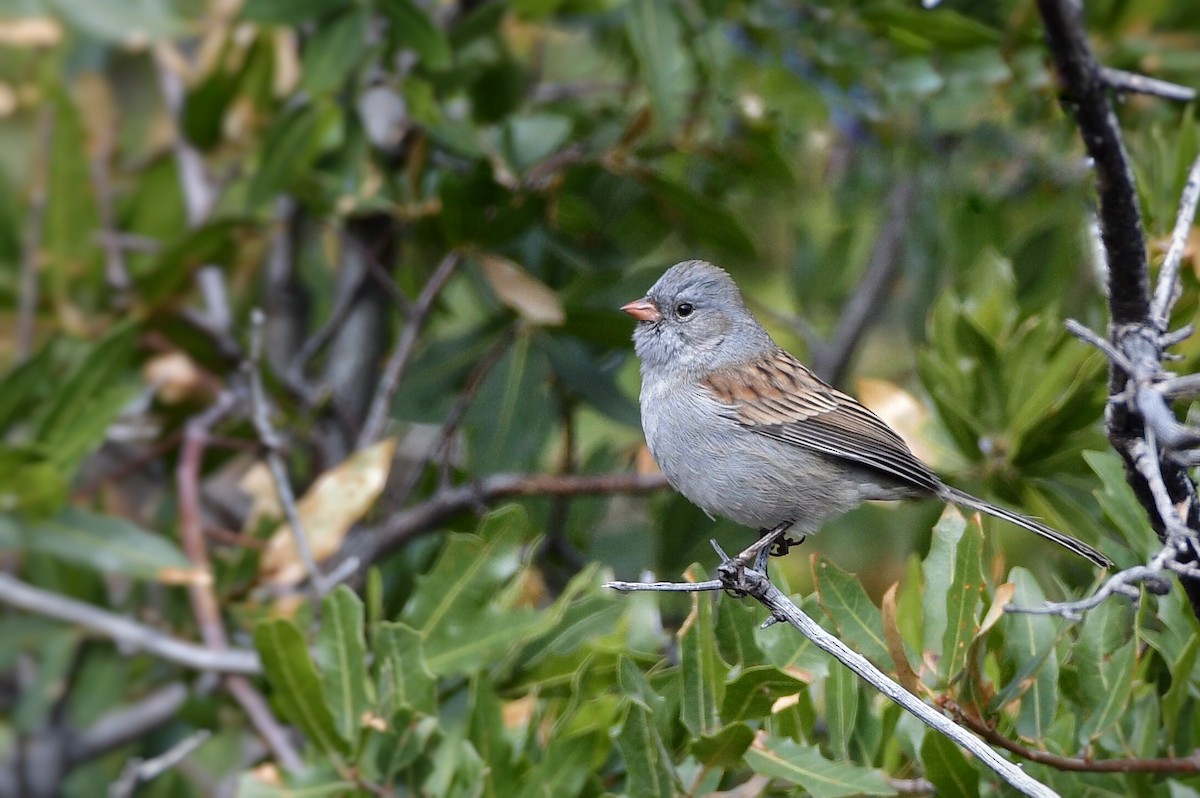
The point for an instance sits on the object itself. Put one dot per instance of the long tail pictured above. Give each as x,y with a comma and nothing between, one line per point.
1066,541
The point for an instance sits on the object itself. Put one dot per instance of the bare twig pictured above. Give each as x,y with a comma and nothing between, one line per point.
737,577
199,198
204,600
131,634
1189,764
139,771
371,544
1168,275
31,256
115,272
393,371
126,724
1133,83
454,418
260,414
832,359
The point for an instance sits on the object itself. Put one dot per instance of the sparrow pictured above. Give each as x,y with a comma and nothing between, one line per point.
746,431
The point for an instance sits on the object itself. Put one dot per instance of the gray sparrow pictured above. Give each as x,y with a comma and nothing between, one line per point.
744,430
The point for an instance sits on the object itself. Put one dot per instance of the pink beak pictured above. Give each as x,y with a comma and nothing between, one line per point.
642,310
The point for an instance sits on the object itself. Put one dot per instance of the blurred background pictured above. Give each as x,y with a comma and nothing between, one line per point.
438,208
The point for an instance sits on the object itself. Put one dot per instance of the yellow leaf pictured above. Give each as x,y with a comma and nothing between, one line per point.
339,498
523,292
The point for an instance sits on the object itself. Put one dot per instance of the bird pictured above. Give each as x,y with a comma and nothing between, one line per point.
746,431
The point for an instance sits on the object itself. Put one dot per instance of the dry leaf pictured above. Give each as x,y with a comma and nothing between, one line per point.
902,412
522,292
895,642
176,376
30,32
331,506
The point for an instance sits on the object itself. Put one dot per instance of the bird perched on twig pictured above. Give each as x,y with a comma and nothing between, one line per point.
746,431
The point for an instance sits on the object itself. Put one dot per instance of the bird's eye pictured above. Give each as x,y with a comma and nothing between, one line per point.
684,309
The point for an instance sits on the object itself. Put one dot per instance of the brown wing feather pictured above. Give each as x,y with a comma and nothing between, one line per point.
789,403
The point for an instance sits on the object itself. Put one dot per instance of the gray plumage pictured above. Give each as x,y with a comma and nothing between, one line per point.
745,431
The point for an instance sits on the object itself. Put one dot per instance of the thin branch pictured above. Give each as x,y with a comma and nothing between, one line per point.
737,577
140,771
204,600
199,198
1133,83
1070,763
260,414
371,544
832,359
397,362
457,413
31,255
1087,335
123,631
1168,275
126,724
115,272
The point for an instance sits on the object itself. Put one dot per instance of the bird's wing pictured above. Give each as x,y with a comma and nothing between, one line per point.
781,398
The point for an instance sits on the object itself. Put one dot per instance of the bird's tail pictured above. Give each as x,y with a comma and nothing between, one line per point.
1066,541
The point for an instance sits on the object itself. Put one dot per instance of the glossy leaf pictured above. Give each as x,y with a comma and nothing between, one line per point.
109,544
341,652
297,686
962,602
847,603
805,768
701,670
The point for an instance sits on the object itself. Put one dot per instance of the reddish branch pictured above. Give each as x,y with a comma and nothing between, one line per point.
1073,763
372,544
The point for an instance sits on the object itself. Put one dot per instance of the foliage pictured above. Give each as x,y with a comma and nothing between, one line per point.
488,181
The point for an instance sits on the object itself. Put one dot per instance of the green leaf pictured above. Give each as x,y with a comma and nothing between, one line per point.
212,244
490,738
30,485
841,709
412,28
724,749
781,758
962,603
647,761
566,765
70,201
55,657
335,49
251,785
701,670
1029,643
108,544
296,686
858,620
938,569
24,385
1181,682
291,148
947,768
404,676
736,623
287,12
341,651
655,36
455,608
701,220
115,20
75,417
1115,686
754,691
